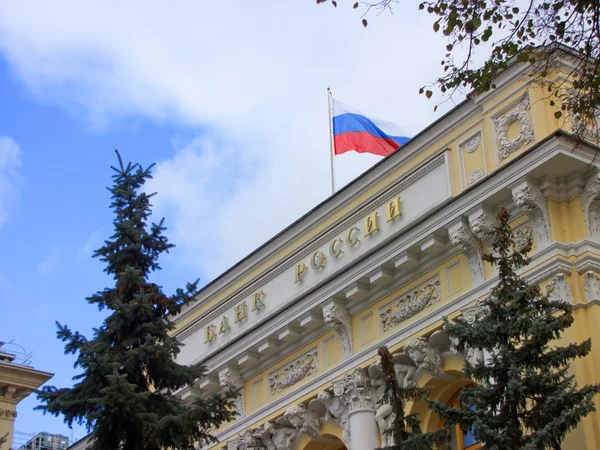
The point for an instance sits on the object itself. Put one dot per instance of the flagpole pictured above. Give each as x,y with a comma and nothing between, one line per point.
330,140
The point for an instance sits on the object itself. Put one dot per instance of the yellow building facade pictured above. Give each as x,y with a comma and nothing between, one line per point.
296,325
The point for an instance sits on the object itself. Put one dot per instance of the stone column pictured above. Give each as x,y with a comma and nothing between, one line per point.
357,394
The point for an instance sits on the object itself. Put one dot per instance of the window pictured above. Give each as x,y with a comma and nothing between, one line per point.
461,440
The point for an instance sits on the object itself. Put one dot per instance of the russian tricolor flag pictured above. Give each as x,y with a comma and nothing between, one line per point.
353,131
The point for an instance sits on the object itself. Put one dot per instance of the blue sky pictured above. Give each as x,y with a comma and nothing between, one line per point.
228,98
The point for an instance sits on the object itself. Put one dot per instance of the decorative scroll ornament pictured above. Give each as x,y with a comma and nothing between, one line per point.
559,288
475,313
410,304
520,114
591,286
462,238
356,392
590,202
294,372
471,145
530,200
338,318
476,175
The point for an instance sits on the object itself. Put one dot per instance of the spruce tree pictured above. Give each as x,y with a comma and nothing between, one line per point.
524,396
405,428
124,392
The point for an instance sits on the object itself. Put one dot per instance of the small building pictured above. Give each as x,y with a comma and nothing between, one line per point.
46,441
17,380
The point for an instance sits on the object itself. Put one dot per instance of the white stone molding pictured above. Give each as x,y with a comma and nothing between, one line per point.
294,372
590,202
477,174
411,303
336,316
303,420
465,240
564,188
483,225
231,379
591,286
559,288
507,146
530,200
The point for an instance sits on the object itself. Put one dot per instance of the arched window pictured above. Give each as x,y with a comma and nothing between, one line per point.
459,439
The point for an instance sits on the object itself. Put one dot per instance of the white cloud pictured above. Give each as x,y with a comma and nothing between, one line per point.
49,262
10,163
93,242
252,73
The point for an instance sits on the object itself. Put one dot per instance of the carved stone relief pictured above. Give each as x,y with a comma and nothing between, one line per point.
231,379
336,316
328,406
425,356
559,288
590,202
410,304
530,200
471,145
465,240
294,372
589,131
522,236
507,146
356,391
476,175
303,420
8,414
591,286
483,225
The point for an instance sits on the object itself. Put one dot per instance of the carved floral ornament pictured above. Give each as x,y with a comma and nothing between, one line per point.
507,146
294,372
590,202
410,304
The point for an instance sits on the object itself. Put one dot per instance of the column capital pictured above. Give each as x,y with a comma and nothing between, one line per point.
357,392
